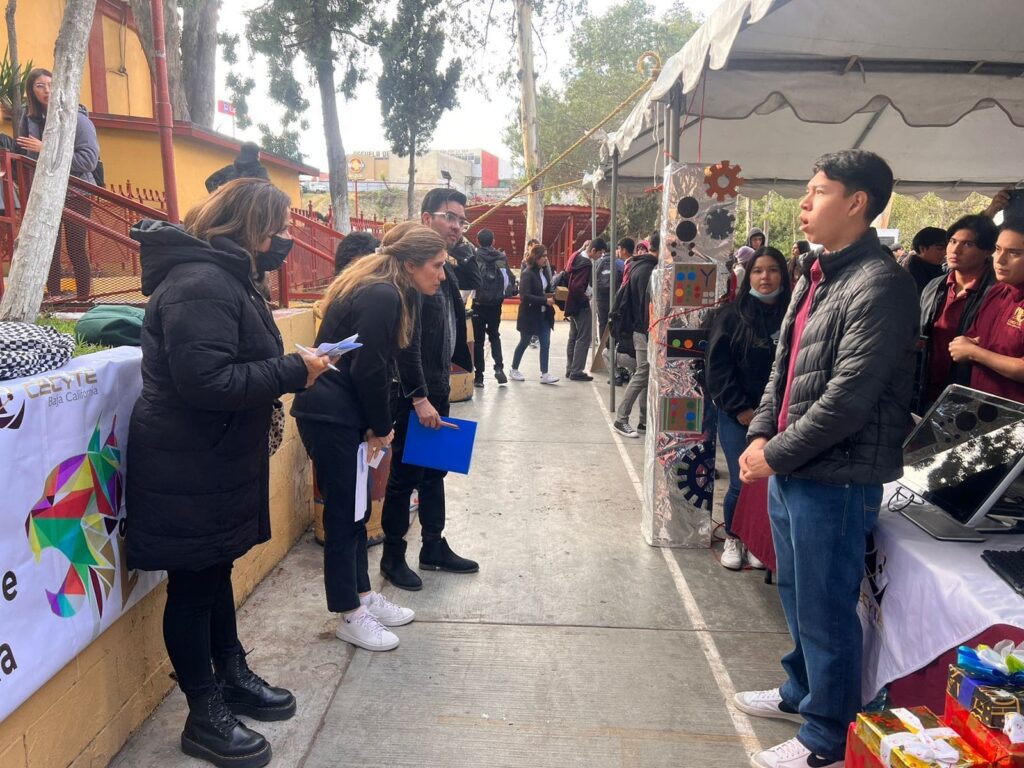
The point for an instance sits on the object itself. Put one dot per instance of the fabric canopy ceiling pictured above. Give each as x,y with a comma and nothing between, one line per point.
933,86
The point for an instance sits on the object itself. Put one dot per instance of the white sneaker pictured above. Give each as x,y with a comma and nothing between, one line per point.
366,631
764,704
516,375
792,754
732,554
387,613
753,562
547,378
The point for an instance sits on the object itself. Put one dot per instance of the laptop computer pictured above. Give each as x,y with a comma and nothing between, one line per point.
964,459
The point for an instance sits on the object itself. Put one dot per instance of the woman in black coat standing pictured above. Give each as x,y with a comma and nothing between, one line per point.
377,298
198,446
536,313
741,351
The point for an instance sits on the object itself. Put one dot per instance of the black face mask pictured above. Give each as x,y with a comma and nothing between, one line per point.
273,258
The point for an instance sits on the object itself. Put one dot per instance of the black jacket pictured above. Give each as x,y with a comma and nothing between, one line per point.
933,301
740,355
466,269
631,313
212,366
358,394
534,312
422,367
240,169
849,408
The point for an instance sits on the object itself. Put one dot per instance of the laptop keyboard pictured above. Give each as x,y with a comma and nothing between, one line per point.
1009,565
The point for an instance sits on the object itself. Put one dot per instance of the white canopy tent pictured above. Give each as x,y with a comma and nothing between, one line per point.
936,87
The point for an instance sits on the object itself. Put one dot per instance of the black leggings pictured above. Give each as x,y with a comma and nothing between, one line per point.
199,624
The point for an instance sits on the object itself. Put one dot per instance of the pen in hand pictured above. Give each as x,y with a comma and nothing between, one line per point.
313,352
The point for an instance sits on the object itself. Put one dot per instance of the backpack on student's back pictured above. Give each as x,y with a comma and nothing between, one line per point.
492,283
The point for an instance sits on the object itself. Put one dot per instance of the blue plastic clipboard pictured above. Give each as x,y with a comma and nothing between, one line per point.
450,450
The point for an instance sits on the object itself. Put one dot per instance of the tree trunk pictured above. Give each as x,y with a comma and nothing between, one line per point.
40,226
337,163
12,45
410,194
528,117
172,37
199,59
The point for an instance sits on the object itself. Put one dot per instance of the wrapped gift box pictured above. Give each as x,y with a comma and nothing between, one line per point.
989,703
857,753
990,743
909,738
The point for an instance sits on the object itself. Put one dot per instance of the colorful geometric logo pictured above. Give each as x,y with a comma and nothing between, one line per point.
77,515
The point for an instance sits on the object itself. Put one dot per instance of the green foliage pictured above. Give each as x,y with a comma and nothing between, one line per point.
68,327
638,215
600,75
911,215
413,92
284,143
10,79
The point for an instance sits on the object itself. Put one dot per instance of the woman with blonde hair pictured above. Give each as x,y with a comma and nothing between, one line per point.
536,313
198,493
376,297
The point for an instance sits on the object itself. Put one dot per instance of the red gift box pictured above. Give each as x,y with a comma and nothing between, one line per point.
991,744
857,753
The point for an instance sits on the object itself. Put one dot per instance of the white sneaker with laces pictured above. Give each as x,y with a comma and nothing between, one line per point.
753,562
764,704
364,629
516,375
792,754
732,554
387,613
548,378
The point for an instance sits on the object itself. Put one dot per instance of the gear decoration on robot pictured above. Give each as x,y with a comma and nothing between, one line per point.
694,476
723,180
720,223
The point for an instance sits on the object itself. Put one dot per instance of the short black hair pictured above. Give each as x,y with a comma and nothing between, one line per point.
802,246
655,242
599,245
249,150
485,237
984,229
628,244
860,171
438,196
354,245
928,237
1015,225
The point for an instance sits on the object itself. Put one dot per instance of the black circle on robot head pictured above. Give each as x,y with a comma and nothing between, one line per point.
987,412
686,230
966,421
688,207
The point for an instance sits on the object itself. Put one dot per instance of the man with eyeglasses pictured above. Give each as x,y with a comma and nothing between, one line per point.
949,304
424,383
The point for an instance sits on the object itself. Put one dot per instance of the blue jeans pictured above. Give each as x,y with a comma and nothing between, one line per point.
732,436
819,532
544,336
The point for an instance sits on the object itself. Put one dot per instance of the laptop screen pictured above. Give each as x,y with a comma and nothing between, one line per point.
966,451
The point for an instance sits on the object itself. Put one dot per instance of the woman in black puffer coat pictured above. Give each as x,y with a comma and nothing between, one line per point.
198,446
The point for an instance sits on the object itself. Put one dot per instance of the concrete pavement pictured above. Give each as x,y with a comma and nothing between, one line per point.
575,645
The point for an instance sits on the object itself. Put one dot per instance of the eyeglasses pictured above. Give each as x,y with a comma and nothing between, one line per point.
41,87
453,218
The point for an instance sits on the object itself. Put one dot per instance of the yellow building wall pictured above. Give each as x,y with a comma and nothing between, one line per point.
129,87
86,712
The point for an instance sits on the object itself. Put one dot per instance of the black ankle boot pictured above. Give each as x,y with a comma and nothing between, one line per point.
395,570
436,555
212,733
246,693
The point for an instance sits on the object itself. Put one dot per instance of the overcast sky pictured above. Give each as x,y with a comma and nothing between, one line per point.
478,121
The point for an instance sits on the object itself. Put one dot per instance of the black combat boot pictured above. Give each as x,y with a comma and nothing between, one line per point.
246,693
212,733
394,568
436,555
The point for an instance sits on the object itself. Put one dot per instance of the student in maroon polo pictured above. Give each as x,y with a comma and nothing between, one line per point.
994,345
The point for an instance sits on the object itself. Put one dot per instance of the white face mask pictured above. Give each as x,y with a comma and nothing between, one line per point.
765,296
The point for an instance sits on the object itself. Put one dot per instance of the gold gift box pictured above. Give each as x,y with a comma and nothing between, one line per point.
872,727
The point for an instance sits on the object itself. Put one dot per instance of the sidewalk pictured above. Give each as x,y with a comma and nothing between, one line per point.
575,645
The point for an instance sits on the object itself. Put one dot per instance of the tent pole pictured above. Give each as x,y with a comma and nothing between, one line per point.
677,103
613,245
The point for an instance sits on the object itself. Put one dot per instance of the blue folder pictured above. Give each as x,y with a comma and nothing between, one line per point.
450,450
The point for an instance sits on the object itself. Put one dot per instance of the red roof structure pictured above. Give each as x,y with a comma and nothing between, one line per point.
566,228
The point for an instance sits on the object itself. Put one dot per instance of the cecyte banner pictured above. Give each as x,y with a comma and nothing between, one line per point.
62,557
